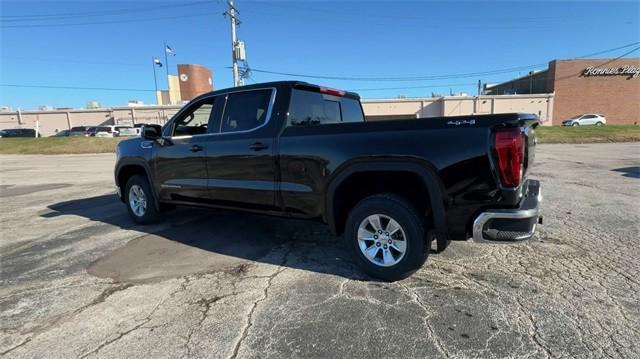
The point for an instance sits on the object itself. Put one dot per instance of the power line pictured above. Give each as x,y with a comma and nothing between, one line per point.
413,87
401,79
610,50
40,17
77,88
107,22
71,61
428,77
333,77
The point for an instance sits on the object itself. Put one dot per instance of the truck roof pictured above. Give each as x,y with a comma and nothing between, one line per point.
278,84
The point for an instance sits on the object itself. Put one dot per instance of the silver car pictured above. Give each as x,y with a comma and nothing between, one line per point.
586,119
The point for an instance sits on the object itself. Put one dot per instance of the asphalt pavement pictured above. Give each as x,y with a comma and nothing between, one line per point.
79,279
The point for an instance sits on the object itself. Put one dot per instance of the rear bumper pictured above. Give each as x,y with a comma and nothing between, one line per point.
511,225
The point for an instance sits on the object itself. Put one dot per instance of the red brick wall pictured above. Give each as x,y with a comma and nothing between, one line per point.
615,96
194,81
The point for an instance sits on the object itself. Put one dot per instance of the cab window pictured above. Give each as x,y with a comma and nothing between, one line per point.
196,121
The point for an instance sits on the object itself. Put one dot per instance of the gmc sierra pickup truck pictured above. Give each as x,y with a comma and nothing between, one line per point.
299,150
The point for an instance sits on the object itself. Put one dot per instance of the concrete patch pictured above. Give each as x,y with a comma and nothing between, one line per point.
210,245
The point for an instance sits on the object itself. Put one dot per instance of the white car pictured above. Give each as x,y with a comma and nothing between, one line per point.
118,130
586,119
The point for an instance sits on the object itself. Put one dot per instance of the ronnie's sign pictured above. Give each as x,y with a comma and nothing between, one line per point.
627,70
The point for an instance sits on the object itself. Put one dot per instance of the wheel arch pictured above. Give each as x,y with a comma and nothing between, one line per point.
127,169
421,169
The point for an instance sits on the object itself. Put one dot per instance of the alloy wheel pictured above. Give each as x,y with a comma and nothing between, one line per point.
382,240
137,200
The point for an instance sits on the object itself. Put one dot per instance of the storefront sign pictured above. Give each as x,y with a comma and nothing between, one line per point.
629,71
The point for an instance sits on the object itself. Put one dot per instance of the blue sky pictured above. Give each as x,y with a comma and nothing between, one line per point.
110,44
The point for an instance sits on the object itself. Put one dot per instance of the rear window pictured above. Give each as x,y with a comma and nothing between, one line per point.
314,108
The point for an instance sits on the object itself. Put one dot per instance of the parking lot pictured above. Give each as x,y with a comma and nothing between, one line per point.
79,279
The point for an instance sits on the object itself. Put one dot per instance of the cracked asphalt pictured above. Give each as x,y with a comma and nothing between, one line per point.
80,280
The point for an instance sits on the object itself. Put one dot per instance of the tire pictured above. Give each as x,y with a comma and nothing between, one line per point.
144,213
387,263
575,124
599,123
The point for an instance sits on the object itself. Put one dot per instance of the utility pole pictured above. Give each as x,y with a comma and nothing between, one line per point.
234,43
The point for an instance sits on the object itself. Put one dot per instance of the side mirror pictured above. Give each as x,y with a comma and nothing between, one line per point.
151,132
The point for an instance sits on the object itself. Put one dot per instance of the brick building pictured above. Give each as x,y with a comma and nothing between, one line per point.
605,86
192,80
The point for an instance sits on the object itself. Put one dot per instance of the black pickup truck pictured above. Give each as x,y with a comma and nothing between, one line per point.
299,150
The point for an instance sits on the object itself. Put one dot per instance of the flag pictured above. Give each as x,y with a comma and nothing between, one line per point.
157,62
169,50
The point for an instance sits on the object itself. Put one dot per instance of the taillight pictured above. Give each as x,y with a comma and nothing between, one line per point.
509,147
330,91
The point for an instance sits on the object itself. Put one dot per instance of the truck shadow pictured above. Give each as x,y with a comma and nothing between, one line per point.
632,171
194,240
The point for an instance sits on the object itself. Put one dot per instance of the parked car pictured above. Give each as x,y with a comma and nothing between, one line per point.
79,131
117,130
92,131
586,119
18,132
303,151
62,133
127,130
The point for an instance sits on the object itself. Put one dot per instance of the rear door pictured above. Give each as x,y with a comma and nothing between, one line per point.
240,155
180,167
304,157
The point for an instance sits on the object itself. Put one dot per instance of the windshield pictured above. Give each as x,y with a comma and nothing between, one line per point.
575,117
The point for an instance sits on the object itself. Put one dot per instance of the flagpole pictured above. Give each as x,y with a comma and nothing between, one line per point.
155,77
166,61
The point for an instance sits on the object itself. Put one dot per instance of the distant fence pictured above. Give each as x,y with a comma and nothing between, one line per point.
50,122
406,108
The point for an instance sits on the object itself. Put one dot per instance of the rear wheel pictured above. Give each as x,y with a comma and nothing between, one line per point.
140,201
386,235
599,123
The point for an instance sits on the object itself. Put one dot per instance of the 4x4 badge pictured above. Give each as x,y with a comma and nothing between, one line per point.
462,122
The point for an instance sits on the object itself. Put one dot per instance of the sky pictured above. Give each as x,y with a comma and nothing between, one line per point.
64,54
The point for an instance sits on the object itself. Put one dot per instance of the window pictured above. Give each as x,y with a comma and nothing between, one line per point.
195,122
351,110
314,108
589,116
245,110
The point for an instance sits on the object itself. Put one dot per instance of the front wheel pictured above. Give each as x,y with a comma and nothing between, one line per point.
140,201
575,124
386,235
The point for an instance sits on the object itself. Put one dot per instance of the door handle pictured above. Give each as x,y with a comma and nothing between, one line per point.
196,148
258,146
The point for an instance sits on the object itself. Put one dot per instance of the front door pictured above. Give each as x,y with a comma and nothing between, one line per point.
240,157
180,160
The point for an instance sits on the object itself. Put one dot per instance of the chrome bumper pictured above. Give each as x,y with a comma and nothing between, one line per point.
511,225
